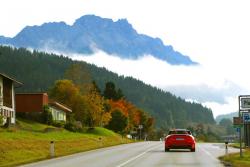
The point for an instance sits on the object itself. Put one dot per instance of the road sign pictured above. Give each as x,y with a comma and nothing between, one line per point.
140,126
246,116
245,102
133,132
237,121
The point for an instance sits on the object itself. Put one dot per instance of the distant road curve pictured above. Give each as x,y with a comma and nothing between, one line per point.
144,154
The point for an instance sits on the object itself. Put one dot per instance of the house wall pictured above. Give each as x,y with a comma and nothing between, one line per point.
31,102
9,110
58,115
1,91
13,118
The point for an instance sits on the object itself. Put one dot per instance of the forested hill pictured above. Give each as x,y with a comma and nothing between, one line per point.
38,71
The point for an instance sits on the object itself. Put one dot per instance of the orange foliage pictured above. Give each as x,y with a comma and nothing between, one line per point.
121,104
129,110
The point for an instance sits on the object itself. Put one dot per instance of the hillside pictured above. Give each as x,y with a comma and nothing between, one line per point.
38,71
30,141
90,33
229,116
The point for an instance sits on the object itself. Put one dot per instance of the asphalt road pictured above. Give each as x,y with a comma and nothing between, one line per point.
144,154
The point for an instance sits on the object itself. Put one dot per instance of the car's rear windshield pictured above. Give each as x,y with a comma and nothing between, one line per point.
179,132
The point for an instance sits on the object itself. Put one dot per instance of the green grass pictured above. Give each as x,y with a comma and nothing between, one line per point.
236,161
30,141
237,145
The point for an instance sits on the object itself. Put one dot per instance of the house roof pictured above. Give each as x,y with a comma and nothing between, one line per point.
60,106
15,81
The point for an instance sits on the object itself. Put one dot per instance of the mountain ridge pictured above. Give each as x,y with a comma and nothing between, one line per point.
91,32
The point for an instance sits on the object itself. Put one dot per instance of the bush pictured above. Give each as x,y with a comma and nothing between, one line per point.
34,116
58,124
1,120
47,116
74,126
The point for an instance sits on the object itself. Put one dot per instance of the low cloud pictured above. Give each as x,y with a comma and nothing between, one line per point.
193,83
205,93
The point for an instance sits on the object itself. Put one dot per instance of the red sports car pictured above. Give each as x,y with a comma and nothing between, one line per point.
179,139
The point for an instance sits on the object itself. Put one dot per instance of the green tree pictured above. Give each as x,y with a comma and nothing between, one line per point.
80,75
228,125
118,122
47,115
110,92
119,94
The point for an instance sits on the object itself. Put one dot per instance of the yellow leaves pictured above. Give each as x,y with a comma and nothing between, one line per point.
65,92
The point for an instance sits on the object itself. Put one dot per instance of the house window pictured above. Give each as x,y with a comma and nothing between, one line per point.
7,92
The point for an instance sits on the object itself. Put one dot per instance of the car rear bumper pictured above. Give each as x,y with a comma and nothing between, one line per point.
182,146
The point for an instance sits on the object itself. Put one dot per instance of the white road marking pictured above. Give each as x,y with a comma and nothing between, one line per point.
138,156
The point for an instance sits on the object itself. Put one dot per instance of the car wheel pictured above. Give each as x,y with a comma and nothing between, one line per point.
192,149
166,149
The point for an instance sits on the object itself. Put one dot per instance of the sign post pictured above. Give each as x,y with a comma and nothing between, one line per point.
240,132
244,105
140,128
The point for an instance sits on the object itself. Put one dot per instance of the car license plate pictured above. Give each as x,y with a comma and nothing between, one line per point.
179,139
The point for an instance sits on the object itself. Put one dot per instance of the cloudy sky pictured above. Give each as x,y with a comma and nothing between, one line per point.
215,33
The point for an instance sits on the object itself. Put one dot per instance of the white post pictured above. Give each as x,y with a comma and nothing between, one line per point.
226,147
100,140
52,149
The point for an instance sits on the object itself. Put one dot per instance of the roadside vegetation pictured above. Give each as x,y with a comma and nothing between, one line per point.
30,141
235,160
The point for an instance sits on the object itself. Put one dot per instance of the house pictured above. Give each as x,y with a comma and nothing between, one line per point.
7,100
58,111
33,105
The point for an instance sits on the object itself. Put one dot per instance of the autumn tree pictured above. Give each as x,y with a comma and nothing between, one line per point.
65,92
97,115
134,115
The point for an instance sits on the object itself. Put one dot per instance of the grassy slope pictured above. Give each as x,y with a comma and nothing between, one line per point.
236,161
30,142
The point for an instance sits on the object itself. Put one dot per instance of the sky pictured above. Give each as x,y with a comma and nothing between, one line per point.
214,33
